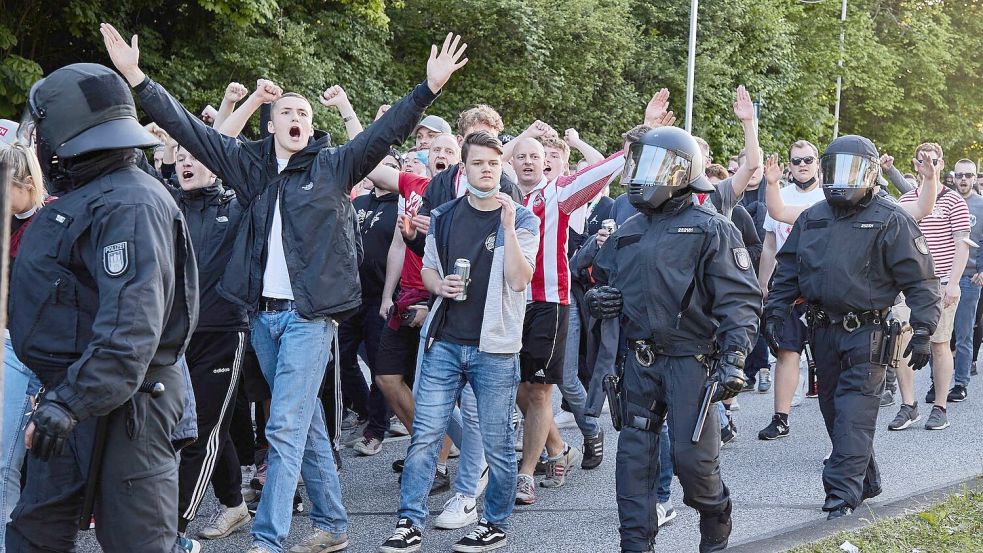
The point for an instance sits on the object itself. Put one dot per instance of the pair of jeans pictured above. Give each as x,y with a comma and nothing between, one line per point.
19,384
494,377
293,352
572,388
963,331
464,431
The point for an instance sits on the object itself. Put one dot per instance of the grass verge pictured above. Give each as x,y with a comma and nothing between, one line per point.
952,526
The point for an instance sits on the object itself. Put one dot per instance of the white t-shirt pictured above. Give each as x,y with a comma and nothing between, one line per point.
792,195
276,279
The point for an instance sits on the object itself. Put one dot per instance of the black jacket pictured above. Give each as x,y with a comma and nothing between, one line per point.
318,234
213,216
376,224
107,290
856,260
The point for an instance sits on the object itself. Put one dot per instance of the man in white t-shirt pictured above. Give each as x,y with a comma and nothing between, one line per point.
803,189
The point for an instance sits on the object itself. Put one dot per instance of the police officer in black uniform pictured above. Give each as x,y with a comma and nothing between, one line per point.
107,299
849,257
681,280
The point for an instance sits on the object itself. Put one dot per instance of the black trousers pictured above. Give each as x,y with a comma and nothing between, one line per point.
850,387
215,363
138,485
671,389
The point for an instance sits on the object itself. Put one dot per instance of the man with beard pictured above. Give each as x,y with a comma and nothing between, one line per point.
972,279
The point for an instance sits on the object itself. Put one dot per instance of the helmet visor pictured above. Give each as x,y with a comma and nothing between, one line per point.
848,171
652,165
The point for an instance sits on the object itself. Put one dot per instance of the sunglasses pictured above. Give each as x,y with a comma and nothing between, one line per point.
966,176
808,160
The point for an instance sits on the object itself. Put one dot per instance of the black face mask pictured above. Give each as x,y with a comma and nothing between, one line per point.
804,185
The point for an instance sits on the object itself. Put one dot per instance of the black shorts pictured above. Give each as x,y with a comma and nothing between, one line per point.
544,339
793,336
397,352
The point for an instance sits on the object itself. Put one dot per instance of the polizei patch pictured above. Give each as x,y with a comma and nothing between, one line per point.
742,258
116,259
921,245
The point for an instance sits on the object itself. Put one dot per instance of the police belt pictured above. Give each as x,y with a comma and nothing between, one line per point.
647,350
819,318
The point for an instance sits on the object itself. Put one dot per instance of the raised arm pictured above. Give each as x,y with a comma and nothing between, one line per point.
591,155
773,196
266,92
537,130
337,98
574,191
744,110
223,155
234,93
895,176
929,191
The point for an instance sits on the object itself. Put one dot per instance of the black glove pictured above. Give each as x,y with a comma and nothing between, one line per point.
772,330
604,302
730,375
919,348
53,422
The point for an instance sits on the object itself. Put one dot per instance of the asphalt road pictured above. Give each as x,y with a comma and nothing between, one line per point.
775,485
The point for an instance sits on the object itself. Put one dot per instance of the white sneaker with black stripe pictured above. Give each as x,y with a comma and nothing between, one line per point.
405,539
485,537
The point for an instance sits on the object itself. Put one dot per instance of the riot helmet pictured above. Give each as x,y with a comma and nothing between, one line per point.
79,109
849,169
665,163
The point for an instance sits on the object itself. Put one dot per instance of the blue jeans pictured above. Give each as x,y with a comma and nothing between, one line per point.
963,331
19,384
665,465
293,353
572,389
464,431
494,379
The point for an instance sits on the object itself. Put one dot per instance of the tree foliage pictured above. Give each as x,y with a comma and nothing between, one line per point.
909,69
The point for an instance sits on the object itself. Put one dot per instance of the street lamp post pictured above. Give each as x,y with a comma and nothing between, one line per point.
694,7
839,64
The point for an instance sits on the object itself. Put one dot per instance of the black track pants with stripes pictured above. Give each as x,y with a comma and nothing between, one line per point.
215,362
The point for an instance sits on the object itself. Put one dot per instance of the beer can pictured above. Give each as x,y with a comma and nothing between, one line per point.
462,268
609,224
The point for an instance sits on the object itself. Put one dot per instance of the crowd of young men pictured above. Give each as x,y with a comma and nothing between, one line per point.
471,274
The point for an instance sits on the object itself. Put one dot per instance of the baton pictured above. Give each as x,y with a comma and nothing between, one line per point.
811,364
711,390
155,389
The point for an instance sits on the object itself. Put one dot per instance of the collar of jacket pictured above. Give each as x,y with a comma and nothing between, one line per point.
299,161
203,196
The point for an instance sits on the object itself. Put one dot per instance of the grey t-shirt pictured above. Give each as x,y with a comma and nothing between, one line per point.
975,262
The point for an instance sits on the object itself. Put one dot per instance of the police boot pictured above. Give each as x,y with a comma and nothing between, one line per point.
715,530
836,507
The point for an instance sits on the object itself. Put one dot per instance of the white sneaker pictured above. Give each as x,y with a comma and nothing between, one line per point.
454,453
397,428
482,482
368,446
666,512
459,511
565,419
225,521
734,406
249,495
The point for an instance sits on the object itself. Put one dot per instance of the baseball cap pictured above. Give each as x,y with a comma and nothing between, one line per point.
434,123
8,131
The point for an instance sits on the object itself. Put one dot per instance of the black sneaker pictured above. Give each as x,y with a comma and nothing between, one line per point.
930,395
728,434
715,530
750,384
405,539
972,371
957,394
777,429
298,503
441,483
907,416
844,510
485,537
593,451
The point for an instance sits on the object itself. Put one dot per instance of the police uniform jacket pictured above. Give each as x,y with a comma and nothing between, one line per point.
107,289
687,281
318,233
855,260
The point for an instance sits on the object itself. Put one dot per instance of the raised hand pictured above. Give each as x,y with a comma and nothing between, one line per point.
928,167
334,97
886,162
668,119
381,111
209,114
443,64
538,129
571,136
234,93
267,91
126,57
743,106
657,108
773,170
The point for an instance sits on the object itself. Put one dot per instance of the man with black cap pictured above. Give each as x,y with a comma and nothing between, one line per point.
680,279
849,256
108,299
